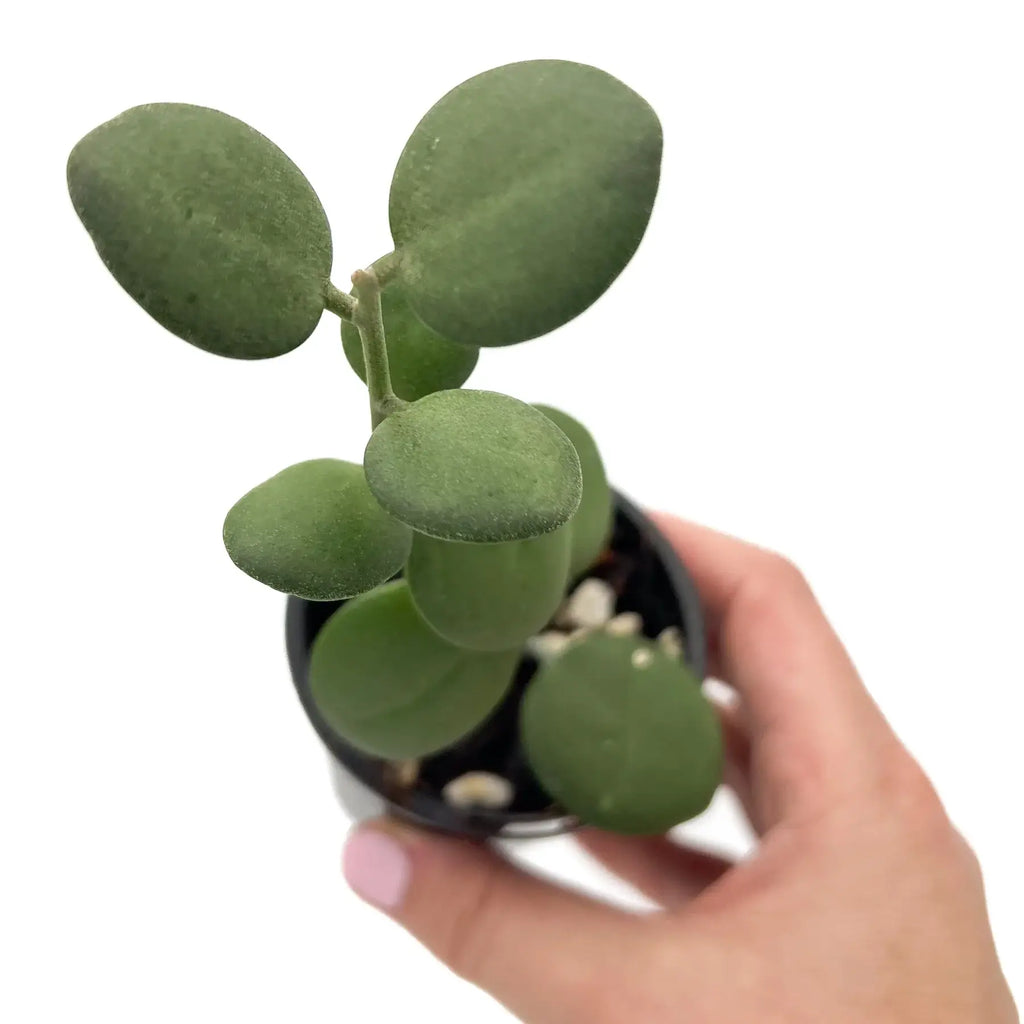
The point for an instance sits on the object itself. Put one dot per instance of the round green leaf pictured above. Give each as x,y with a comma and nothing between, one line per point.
474,466
619,732
421,361
592,523
520,197
489,596
389,685
316,531
207,225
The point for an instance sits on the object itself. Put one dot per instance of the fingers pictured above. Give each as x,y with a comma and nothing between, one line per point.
773,641
538,949
813,726
737,772
667,873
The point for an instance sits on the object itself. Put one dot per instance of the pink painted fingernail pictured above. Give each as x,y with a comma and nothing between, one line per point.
377,868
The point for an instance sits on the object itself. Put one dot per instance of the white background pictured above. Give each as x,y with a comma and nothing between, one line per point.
817,348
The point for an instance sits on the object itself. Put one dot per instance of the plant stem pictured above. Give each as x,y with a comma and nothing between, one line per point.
368,319
339,303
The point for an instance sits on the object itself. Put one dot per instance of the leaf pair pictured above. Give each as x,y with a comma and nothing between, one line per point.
482,467
519,198
474,466
387,683
494,595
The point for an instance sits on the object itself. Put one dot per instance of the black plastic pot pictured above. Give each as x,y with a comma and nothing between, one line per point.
648,577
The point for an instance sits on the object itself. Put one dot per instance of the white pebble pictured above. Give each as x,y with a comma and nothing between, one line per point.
545,646
642,657
479,789
590,605
404,773
671,642
625,624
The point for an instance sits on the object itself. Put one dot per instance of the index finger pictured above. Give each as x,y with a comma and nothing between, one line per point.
814,727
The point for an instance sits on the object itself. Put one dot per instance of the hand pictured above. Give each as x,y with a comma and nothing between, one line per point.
861,904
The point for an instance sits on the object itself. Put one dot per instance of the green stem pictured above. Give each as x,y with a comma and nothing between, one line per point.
370,322
339,303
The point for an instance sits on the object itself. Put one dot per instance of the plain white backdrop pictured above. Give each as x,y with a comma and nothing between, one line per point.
817,347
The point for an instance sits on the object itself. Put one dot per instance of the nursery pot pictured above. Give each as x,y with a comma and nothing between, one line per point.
648,578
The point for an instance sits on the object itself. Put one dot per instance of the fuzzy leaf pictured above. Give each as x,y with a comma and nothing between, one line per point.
474,466
489,596
316,531
421,361
207,225
621,734
592,523
520,197
389,685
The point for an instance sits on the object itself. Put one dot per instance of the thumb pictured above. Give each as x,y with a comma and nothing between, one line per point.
546,953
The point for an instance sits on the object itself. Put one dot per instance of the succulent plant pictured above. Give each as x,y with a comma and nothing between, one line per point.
518,199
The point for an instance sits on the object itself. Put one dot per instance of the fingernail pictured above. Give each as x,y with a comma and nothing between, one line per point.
377,868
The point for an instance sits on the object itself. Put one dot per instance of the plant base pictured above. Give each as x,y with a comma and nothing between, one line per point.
648,578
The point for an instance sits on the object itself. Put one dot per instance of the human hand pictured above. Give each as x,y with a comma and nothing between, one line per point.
861,903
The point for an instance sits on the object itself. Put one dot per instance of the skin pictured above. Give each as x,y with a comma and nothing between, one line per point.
861,903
